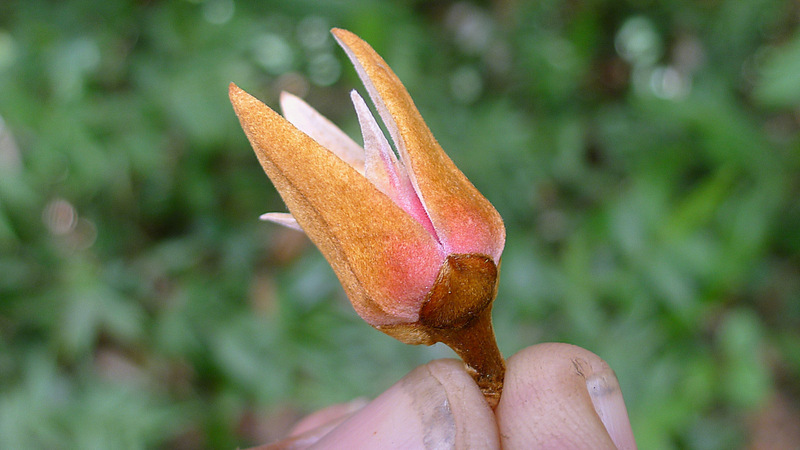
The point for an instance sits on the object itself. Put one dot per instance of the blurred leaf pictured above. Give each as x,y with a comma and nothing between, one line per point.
745,380
778,85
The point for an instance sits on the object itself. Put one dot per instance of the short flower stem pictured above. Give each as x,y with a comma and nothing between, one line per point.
475,343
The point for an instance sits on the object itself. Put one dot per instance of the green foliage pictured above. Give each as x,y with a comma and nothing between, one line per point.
644,155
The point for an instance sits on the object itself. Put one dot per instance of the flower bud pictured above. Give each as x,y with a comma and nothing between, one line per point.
414,244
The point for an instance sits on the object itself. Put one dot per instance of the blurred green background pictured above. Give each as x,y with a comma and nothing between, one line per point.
644,155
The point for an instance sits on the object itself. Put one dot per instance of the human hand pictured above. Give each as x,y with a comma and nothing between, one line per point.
554,396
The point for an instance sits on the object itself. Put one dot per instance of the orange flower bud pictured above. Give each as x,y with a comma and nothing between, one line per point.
414,244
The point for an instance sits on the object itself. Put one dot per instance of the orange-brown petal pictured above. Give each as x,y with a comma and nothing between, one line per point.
385,260
464,220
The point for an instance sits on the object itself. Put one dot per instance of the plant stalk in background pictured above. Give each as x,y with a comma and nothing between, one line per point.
416,247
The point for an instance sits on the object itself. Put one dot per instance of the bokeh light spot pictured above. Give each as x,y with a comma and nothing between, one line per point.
273,53
638,42
60,217
218,11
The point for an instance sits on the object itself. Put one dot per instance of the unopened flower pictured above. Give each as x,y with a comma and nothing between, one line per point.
414,244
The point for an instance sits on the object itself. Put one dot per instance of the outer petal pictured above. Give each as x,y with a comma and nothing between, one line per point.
464,220
385,260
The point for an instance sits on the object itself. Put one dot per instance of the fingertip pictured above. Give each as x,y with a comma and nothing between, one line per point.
546,401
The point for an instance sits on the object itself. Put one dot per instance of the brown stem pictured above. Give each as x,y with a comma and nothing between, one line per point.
475,344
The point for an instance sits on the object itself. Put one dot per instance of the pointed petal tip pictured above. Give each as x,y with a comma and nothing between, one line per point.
347,39
238,97
339,32
289,104
287,96
233,89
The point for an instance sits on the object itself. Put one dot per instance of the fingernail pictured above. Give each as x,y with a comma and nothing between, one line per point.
607,399
474,420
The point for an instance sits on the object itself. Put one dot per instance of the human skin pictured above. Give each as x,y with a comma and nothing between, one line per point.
555,396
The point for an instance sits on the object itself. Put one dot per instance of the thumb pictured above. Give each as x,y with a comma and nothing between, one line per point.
562,396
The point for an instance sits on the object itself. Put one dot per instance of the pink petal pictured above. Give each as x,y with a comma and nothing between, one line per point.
384,170
380,164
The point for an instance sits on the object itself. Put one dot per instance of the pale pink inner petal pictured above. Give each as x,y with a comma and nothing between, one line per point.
386,117
284,219
382,168
380,164
322,130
